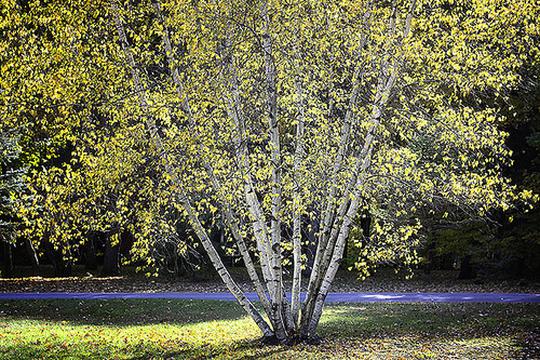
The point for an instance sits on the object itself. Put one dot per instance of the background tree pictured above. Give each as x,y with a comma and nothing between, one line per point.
10,182
90,177
505,245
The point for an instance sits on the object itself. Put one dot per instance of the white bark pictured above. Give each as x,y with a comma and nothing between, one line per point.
297,222
339,208
266,248
270,71
328,213
260,229
364,162
229,216
325,244
193,218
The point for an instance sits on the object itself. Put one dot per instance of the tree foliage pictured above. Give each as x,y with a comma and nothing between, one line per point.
277,118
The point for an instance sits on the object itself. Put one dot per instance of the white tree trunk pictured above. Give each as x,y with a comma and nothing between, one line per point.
229,217
194,221
386,84
297,222
328,214
339,206
270,72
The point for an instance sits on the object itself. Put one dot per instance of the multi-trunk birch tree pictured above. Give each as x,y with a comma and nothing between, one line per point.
287,119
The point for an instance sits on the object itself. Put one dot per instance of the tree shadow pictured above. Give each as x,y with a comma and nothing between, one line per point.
120,313
342,325
429,320
28,351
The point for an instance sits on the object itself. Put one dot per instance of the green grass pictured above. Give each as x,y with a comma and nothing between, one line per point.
156,329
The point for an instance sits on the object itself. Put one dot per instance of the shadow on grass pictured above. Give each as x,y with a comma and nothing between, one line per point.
428,320
247,352
122,312
341,326
343,320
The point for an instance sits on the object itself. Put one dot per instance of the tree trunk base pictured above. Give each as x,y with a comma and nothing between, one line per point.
290,341
466,269
311,340
270,340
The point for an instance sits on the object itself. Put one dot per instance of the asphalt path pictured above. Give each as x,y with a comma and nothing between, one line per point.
337,297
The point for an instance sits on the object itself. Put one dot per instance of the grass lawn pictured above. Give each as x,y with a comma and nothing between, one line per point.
156,329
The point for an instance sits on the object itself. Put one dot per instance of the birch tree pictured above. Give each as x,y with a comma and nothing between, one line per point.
288,118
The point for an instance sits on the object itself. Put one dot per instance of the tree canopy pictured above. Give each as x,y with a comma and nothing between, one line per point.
280,119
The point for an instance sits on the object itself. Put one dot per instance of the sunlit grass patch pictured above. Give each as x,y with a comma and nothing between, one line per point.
131,329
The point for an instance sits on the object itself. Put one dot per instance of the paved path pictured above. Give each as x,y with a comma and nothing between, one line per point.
359,297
